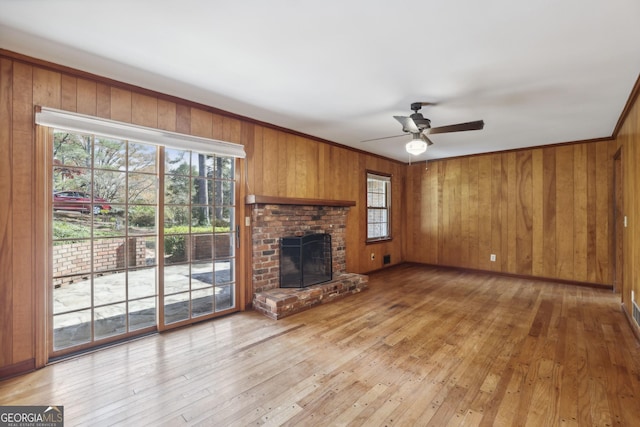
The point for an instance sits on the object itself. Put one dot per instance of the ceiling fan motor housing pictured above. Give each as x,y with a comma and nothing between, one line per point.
420,121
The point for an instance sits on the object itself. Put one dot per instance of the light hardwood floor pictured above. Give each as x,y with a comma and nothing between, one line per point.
422,346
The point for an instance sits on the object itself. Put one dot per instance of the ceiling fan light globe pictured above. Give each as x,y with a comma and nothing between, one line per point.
416,147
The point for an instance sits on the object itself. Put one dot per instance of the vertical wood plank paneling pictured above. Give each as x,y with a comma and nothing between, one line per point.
103,101
592,225
183,119
6,215
473,220
256,179
69,93
537,221
306,167
524,211
218,127
464,212
451,200
603,206
144,110
443,216
288,175
86,98
504,212
549,211
580,212
120,105
564,212
323,184
281,162
271,157
415,206
40,88
46,89
512,211
496,212
484,212
201,123
166,115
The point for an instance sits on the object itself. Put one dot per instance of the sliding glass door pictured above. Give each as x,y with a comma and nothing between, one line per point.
198,229
142,239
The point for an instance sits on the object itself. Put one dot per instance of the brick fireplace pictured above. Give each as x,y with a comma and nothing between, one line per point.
273,218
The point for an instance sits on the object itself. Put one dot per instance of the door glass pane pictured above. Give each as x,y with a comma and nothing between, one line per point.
104,224
199,234
176,307
110,320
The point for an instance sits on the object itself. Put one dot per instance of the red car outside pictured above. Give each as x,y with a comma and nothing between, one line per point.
78,201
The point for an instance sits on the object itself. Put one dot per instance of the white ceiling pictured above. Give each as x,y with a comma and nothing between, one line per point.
537,72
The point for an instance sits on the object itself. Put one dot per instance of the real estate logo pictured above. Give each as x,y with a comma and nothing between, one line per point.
31,416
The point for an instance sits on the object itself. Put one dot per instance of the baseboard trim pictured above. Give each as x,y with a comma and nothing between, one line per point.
519,276
17,369
632,323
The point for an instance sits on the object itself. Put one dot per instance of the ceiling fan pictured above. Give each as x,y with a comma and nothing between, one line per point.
419,127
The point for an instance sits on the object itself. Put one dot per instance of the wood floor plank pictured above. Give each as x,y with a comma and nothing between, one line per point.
422,346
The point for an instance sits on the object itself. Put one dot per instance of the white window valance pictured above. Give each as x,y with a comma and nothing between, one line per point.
94,125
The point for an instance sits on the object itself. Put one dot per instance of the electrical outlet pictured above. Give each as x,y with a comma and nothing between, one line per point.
493,258
373,256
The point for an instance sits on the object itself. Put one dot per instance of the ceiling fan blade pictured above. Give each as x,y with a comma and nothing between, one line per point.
425,139
408,125
477,125
384,137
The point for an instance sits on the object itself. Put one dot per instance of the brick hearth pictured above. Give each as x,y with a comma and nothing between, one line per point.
272,219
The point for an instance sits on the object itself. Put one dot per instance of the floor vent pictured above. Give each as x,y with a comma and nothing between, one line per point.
636,312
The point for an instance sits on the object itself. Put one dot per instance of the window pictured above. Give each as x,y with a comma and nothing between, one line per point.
378,206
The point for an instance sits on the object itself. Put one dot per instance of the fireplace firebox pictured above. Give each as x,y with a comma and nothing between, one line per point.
305,260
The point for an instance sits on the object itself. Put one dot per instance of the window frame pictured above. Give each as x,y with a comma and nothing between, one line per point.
388,180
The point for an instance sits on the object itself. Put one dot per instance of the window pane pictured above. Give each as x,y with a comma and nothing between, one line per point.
201,219
71,294
142,313
176,307
177,162
224,297
142,282
142,158
142,220
109,287
176,219
71,149
202,301
110,154
142,189
71,329
176,279
175,249
110,320
177,190
109,187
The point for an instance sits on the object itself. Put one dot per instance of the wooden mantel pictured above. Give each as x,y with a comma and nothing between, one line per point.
253,199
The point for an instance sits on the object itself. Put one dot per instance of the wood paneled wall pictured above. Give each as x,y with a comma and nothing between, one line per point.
279,163
544,212
628,140
286,165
